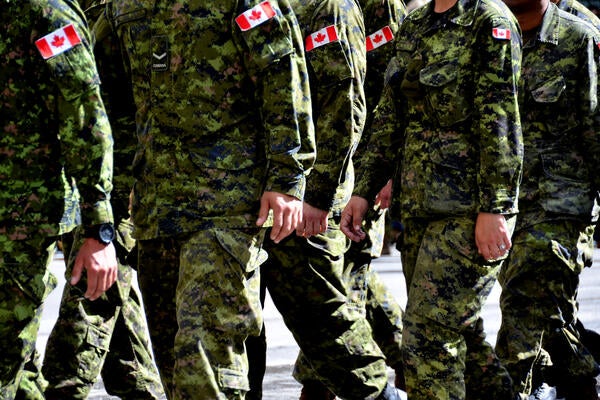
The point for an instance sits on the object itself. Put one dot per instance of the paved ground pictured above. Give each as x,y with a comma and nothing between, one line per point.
282,350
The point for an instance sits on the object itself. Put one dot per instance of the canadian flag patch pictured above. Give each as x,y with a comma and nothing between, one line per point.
379,38
255,16
321,37
58,41
500,33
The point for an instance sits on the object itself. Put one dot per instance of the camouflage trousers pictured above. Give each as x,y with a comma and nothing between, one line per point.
107,337
443,343
538,340
201,295
25,282
368,292
305,280
369,296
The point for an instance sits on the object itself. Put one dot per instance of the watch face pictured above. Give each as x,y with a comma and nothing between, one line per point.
106,233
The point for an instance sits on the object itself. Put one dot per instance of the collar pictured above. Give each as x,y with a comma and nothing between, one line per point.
549,30
462,13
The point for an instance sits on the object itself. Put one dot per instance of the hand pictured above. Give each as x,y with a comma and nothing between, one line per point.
100,262
384,197
314,221
287,213
492,236
352,217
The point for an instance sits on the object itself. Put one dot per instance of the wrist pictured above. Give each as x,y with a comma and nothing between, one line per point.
104,233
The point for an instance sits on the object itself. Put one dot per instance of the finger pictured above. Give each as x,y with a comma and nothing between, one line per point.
315,228
278,227
92,285
346,227
76,272
502,248
288,225
345,222
324,225
296,219
300,230
263,213
495,252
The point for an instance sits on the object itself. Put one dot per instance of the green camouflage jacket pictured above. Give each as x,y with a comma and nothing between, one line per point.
52,116
448,121
223,110
334,38
559,114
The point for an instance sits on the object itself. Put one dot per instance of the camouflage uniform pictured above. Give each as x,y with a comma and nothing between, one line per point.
552,242
223,115
52,115
448,124
590,338
383,312
365,290
304,276
107,336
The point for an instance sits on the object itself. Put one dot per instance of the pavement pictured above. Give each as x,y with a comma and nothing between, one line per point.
282,349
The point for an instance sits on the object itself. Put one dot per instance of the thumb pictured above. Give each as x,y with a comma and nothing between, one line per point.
263,213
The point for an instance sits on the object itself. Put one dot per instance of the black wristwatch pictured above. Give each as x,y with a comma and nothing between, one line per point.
104,233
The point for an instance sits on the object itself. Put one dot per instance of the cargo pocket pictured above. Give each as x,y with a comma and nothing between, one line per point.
95,345
449,189
245,247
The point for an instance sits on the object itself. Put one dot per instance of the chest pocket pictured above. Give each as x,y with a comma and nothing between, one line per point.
127,16
550,104
444,100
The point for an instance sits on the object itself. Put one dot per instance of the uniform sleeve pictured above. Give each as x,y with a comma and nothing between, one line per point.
278,63
496,122
84,127
337,71
376,161
591,116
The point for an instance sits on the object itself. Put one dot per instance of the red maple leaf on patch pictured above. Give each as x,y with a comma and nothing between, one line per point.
57,41
320,37
255,14
378,38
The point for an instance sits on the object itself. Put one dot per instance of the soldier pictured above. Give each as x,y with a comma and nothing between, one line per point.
448,124
588,13
52,116
225,135
366,292
108,336
304,273
538,341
